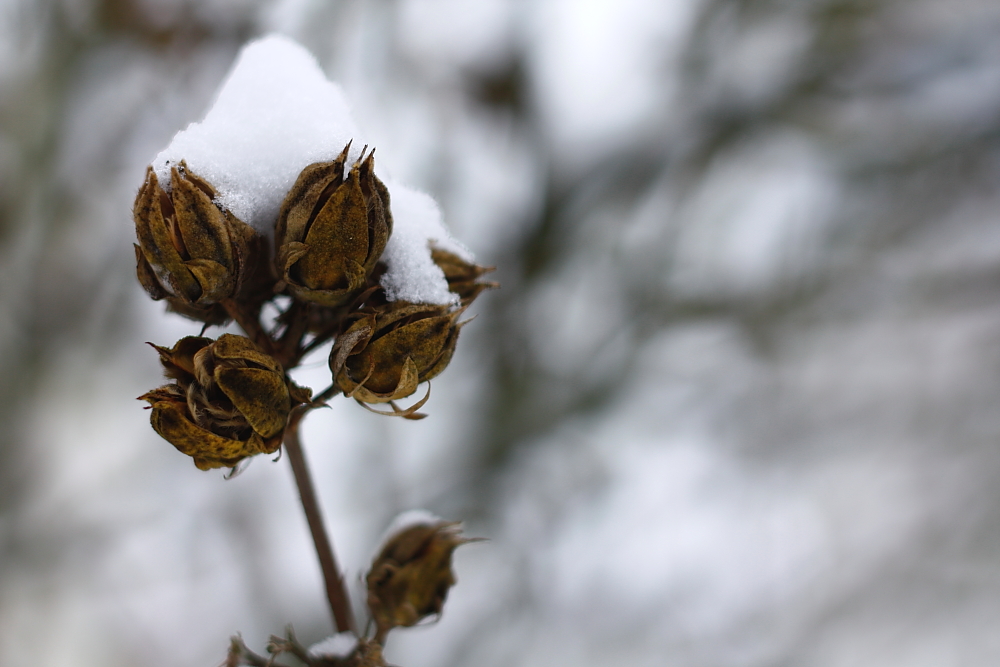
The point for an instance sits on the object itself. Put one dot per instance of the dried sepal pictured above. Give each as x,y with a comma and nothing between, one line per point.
331,230
396,411
409,579
228,400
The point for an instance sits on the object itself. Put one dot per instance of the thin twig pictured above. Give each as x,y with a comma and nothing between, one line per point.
290,344
336,592
326,394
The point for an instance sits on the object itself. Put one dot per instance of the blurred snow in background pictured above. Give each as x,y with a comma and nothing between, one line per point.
735,403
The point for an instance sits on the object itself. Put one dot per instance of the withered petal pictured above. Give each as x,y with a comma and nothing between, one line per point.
339,231
409,378
289,254
433,369
351,342
300,204
419,342
331,298
406,413
180,357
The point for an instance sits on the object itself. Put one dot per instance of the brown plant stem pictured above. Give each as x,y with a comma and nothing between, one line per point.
336,592
289,346
326,394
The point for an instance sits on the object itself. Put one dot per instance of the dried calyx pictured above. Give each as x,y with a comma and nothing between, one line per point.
392,347
228,400
190,252
332,229
410,578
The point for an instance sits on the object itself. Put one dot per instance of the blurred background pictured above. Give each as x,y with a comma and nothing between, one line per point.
734,405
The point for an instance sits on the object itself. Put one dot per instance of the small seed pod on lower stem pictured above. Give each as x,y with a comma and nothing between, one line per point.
410,578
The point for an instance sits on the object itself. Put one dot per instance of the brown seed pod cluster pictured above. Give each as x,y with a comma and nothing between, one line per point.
317,269
231,398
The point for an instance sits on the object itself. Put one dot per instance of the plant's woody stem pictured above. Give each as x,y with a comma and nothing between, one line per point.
336,592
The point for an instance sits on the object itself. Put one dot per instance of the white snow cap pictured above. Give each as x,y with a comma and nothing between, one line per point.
277,113
339,645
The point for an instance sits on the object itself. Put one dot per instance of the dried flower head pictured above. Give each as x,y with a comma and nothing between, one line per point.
410,578
387,352
190,252
228,400
331,230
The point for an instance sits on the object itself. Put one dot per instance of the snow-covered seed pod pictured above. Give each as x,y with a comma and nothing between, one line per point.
332,229
190,252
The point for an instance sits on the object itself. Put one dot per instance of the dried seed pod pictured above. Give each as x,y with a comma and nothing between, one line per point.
410,578
228,400
190,252
463,277
391,349
331,230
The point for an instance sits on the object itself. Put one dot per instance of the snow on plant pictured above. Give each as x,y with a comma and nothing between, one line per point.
275,194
